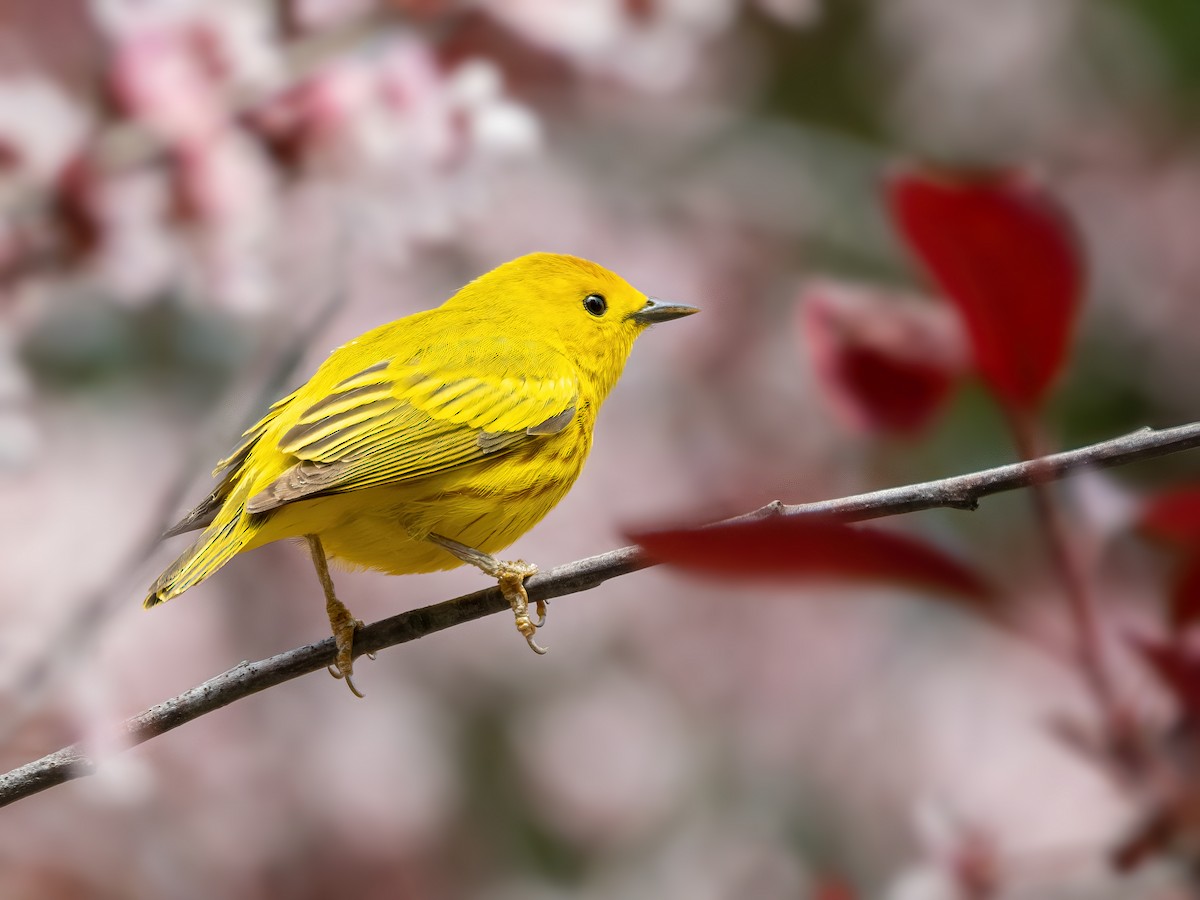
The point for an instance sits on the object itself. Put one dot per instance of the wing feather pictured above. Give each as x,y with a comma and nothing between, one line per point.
392,423
228,470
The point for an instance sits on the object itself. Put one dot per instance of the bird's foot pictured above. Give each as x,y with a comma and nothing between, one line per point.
343,626
341,623
511,576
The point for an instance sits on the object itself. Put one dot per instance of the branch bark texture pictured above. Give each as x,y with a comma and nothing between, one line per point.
959,492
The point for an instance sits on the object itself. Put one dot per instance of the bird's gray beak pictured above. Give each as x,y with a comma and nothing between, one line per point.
659,311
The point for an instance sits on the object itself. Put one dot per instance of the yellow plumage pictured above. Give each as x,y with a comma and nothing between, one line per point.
468,422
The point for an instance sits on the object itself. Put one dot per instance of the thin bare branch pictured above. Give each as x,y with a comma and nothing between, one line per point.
959,492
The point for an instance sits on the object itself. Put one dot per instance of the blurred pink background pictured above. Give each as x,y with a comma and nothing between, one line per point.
199,200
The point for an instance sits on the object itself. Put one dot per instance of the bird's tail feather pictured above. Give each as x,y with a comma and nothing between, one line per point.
216,546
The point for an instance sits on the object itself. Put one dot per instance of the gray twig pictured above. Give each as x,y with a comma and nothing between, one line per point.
959,492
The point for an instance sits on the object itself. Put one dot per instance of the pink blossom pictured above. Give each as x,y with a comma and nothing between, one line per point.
160,79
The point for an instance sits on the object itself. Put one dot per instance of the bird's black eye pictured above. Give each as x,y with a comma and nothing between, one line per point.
595,304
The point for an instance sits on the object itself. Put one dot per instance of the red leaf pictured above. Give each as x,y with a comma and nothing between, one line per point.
1004,253
1185,596
1174,516
785,548
1177,666
886,363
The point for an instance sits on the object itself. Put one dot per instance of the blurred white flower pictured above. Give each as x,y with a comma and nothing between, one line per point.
502,129
653,47
240,42
497,126
40,129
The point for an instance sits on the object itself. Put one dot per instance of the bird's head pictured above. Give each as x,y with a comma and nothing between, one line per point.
591,314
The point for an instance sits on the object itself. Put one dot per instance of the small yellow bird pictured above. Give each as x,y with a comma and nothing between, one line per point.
432,441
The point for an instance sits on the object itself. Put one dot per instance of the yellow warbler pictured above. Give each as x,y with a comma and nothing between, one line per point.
432,441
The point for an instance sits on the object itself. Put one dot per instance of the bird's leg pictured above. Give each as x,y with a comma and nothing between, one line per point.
511,576
341,622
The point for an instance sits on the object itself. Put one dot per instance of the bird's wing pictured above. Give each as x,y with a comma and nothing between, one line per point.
391,423
228,470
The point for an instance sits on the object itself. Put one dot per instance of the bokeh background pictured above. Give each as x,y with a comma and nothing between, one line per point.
199,199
